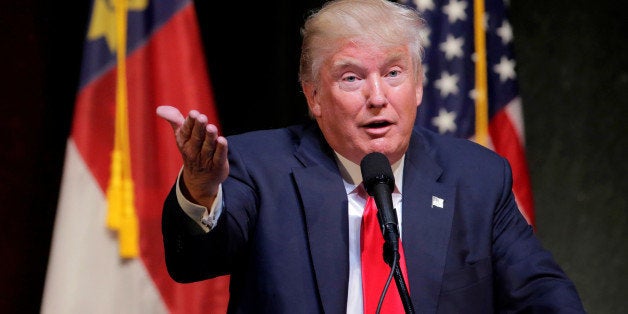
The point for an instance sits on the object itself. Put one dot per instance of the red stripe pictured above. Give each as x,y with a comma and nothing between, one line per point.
169,70
508,144
93,125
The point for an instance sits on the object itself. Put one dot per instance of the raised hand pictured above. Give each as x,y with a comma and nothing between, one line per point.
204,152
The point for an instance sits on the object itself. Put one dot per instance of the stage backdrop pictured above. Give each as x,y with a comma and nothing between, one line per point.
571,65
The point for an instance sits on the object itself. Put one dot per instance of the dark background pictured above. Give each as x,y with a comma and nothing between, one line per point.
572,63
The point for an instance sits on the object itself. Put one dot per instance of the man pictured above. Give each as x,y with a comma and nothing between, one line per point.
280,210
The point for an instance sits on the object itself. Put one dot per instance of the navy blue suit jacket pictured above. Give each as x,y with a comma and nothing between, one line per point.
283,235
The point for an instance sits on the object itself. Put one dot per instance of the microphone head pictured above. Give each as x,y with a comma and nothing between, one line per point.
376,170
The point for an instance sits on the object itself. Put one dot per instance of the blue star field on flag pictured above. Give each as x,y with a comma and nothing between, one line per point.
448,105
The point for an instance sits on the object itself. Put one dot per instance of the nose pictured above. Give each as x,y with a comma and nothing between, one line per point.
376,95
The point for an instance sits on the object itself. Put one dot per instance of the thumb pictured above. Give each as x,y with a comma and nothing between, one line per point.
172,115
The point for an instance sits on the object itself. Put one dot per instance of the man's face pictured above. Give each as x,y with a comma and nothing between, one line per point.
366,100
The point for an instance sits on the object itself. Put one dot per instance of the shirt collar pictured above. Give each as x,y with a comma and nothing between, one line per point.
352,174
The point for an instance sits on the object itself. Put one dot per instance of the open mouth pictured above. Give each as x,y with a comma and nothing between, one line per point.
379,124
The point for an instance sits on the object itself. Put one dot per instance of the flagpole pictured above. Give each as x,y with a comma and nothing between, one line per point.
481,89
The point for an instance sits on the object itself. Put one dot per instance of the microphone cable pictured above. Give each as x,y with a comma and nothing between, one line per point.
394,265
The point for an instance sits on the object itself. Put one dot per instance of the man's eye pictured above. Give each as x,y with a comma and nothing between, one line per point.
393,73
350,78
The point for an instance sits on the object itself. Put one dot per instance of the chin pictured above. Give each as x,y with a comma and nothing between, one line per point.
383,145
382,149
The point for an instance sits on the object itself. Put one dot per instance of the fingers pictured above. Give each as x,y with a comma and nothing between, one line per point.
196,139
198,122
209,143
198,135
220,156
184,133
204,152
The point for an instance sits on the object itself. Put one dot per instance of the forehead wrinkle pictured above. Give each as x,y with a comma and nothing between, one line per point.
347,61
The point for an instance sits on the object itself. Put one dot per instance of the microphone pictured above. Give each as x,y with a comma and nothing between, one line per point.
379,183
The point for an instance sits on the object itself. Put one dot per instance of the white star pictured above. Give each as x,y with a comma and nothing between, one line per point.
452,47
473,94
424,5
505,32
506,69
455,10
447,84
445,121
476,95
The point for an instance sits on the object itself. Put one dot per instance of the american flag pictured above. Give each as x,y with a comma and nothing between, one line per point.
451,82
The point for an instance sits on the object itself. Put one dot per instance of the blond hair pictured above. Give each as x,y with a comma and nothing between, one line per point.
374,21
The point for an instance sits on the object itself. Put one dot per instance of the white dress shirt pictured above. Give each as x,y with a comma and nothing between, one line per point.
352,178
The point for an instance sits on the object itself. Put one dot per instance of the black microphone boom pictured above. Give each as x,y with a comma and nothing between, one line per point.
379,182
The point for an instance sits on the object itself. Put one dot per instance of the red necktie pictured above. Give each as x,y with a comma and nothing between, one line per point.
375,271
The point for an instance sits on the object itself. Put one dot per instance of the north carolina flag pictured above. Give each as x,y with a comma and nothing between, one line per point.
471,88
121,160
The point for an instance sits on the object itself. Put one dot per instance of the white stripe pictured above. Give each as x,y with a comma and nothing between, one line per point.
85,273
515,114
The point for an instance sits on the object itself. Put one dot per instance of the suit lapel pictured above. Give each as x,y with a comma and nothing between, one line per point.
325,208
426,224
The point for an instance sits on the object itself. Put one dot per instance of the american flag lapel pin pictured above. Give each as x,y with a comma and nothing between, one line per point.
437,202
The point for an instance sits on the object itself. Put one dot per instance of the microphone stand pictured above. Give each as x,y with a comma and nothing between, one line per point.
379,182
391,254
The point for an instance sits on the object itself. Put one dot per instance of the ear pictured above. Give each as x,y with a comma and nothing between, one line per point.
311,95
419,94
419,89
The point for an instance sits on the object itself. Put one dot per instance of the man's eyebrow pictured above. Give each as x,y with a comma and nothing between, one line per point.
396,57
345,62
